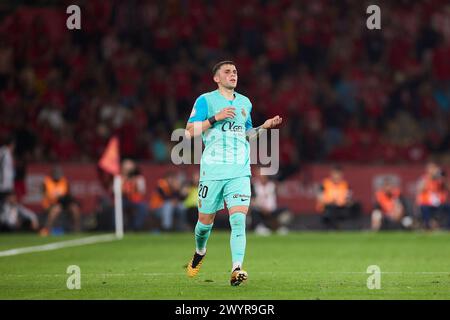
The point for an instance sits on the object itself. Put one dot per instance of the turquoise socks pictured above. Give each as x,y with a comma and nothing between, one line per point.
202,232
237,239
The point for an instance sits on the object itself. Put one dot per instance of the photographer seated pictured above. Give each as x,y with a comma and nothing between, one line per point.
433,196
16,217
57,199
266,215
335,200
389,209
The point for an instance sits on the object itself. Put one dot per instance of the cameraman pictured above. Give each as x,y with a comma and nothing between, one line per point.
390,208
432,196
134,189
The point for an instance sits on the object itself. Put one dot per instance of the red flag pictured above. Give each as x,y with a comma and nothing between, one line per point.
110,160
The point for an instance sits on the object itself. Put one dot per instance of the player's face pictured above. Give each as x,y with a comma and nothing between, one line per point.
226,76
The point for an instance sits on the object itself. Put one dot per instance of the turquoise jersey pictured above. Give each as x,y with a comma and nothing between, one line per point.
227,151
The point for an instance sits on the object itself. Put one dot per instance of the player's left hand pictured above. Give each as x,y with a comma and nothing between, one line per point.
272,123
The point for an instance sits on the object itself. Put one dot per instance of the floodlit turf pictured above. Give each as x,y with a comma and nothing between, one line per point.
296,266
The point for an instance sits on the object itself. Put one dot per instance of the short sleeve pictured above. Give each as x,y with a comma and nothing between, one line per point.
248,123
199,111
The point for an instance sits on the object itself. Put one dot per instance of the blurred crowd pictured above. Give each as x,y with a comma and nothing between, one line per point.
172,204
346,94
136,67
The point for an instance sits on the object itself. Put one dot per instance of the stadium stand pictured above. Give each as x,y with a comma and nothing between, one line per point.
347,94
353,95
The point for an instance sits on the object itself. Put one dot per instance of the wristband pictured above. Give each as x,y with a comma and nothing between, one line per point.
212,120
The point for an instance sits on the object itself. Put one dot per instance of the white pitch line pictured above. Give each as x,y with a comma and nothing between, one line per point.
182,274
59,245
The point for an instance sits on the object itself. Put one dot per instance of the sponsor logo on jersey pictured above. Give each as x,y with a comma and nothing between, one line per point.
232,126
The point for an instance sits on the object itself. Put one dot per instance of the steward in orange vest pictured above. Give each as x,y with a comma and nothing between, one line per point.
389,210
433,196
162,193
133,188
335,199
57,199
54,190
134,192
432,192
333,191
166,202
388,201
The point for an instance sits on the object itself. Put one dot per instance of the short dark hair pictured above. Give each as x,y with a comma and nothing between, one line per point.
221,63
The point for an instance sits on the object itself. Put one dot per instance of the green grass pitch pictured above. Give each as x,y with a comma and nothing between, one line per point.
306,265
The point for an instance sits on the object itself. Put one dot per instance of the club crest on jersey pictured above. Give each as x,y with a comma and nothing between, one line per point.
243,112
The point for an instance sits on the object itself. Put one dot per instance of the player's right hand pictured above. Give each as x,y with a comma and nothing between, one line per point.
226,113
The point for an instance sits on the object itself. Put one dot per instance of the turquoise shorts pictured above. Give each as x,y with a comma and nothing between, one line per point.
213,193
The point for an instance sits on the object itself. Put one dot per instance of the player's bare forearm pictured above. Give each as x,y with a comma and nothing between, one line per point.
268,124
195,129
